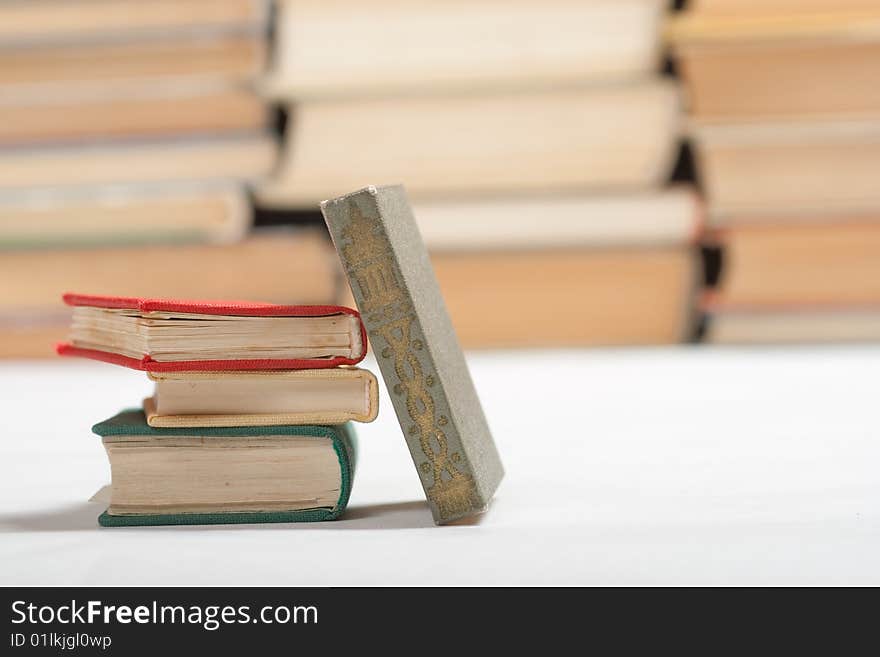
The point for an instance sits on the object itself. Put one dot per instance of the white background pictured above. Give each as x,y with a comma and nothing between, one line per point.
685,465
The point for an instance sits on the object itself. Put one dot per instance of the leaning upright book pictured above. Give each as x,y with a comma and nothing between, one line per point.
417,350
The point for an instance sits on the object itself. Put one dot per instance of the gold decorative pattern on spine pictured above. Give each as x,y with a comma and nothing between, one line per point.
384,304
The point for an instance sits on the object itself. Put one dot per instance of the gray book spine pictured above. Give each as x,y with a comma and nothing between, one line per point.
415,345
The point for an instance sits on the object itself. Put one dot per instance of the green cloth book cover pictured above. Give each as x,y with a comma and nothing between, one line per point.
132,422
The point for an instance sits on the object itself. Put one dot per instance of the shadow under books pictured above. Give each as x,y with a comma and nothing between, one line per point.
84,517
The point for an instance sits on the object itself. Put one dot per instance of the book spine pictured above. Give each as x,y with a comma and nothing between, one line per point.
449,476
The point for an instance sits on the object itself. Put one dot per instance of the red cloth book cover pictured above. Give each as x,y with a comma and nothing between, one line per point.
202,307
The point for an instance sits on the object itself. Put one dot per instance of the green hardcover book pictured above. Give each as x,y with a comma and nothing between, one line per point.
224,475
418,353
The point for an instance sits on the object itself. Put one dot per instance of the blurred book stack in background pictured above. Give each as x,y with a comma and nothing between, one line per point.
784,100
539,142
535,139
129,132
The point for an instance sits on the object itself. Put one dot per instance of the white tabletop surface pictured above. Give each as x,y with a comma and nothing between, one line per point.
690,465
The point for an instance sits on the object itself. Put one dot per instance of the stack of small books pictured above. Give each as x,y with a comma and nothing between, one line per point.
251,416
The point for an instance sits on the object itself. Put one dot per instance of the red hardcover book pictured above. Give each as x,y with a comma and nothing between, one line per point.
337,337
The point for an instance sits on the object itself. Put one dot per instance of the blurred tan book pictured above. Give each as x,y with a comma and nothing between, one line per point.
125,214
569,297
146,111
663,217
768,266
78,20
126,64
779,7
765,66
353,48
731,325
283,267
31,340
789,167
616,136
274,266
243,157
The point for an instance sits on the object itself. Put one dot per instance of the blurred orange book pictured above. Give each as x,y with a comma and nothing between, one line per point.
766,64
815,280
101,65
570,297
149,111
291,267
80,20
811,263
778,7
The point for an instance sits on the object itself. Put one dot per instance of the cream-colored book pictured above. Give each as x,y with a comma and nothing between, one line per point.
125,214
616,136
262,398
793,325
651,218
237,157
352,48
777,168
